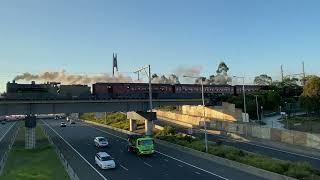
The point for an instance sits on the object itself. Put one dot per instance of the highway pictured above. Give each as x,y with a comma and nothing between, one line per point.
256,147
76,143
6,132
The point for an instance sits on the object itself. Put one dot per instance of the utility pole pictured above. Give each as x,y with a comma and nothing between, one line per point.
281,73
149,76
204,110
257,107
244,96
303,74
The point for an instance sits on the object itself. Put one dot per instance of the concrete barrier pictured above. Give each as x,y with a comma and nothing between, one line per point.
225,162
313,141
299,138
275,134
287,137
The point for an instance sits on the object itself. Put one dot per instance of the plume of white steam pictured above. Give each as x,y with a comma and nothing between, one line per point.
66,78
221,79
188,71
172,79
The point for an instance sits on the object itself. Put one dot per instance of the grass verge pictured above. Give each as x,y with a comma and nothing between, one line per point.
117,120
39,163
301,171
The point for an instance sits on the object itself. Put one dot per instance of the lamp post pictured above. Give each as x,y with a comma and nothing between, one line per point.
202,95
244,96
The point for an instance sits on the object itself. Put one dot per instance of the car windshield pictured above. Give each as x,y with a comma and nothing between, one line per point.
106,158
146,142
101,139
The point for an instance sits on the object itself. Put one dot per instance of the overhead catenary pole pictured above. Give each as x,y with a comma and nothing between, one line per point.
303,74
150,86
204,111
150,90
281,73
257,107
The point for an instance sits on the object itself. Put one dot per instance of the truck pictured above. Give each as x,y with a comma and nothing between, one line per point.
141,145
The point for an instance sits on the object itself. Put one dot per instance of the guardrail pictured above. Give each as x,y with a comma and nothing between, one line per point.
68,168
5,155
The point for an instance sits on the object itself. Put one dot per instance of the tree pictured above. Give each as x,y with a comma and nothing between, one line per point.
222,68
221,78
263,79
310,98
174,79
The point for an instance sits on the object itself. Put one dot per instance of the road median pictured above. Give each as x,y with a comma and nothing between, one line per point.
39,163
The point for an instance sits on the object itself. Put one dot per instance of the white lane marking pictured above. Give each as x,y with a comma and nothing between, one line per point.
147,164
267,147
7,131
124,168
166,160
105,132
193,166
180,165
166,155
75,150
197,172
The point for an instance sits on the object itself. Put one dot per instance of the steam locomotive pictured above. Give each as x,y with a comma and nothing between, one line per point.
56,91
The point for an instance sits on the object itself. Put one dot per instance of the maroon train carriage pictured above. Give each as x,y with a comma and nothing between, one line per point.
130,90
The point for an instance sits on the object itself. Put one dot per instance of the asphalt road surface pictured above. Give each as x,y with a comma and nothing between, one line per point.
6,132
76,143
258,148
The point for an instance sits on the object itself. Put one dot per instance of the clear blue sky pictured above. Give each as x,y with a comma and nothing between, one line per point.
251,36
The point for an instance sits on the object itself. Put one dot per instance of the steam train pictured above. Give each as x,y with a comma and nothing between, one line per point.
56,91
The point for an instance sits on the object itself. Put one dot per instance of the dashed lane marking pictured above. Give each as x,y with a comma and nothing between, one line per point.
75,150
168,156
124,168
7,131
147,164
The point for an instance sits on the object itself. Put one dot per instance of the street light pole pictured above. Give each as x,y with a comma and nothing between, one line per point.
204,115
204,112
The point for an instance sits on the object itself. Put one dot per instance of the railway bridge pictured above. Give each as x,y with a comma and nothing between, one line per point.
140,106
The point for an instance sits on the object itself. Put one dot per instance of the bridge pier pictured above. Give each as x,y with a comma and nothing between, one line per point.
147,117
133,125
148,125
30,134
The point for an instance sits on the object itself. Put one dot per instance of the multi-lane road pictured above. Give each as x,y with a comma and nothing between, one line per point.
255,147
6,132
76,144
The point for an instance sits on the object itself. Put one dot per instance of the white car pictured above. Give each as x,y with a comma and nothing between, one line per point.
101,142
63,124
104,160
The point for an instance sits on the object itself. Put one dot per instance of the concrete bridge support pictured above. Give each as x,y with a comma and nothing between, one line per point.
147,117
133,125
30,134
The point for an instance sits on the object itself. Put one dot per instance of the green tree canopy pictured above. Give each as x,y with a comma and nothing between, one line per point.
263,79
310,98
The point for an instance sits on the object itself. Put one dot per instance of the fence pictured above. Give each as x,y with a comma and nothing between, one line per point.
5,155
68,168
